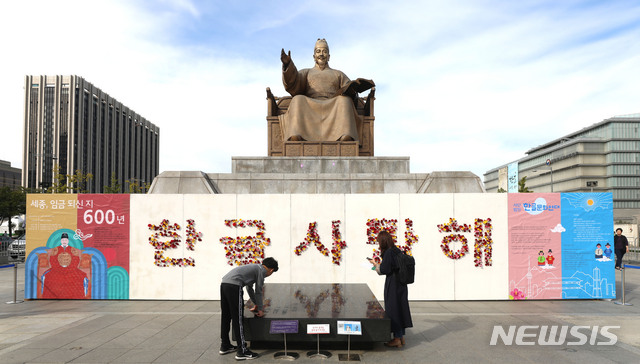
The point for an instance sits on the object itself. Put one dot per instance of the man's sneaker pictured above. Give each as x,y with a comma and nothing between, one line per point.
227,349
248,355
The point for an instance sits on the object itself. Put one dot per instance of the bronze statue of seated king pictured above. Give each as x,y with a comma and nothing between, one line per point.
324,114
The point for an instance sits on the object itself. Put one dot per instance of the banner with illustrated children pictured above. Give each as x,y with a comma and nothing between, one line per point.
535,259
560,246
587,248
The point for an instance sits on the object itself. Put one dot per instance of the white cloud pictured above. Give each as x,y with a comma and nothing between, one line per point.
460,86
558,229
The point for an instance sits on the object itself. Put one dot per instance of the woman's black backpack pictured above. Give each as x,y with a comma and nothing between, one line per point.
406,268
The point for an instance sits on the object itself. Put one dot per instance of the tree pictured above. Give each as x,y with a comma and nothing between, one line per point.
134,185
12,202
114,186
59,184
137,186
522,187
78,181
69,183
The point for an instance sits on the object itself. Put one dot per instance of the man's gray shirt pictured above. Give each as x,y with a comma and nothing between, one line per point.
246,276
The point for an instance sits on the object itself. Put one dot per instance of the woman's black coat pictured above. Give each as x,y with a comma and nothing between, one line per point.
396,301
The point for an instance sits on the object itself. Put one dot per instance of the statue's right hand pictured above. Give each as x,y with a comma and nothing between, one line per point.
285,58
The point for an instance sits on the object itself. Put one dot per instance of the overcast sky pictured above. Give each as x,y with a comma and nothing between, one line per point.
460,85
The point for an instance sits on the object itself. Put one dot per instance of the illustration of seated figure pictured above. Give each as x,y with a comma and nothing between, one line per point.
598,251
322,108
64,277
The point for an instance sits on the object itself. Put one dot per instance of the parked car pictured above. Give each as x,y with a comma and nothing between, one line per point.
18,248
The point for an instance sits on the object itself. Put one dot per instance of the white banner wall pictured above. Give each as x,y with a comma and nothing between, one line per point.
180,246
287,220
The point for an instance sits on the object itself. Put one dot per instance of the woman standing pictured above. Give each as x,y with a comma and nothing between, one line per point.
396,301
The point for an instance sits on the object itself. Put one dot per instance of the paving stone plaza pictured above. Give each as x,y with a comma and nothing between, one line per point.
103,331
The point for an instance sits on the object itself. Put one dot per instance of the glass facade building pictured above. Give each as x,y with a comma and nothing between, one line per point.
9,176
604,157
71,125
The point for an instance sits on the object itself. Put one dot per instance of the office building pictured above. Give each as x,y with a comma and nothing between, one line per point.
71,124
604,157
9,176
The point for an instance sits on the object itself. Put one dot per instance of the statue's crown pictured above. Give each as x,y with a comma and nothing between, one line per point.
321,43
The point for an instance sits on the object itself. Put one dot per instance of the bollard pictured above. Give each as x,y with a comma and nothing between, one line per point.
15,285
623,302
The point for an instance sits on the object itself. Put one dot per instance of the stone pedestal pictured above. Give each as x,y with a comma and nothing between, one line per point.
181,182
452,182
315,175
320,165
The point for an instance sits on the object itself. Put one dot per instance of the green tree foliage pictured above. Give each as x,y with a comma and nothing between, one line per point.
69,183
137,186
78,181
12,203
59,184
522,185
114,186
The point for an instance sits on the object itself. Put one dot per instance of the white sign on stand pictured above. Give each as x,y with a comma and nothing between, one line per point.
349,328
318,329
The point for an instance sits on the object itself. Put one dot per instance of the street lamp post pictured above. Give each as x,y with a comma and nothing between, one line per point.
551,170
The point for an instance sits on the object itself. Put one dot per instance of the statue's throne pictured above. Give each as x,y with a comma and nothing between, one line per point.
278,147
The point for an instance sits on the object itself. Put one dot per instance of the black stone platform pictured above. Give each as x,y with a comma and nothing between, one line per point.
319,304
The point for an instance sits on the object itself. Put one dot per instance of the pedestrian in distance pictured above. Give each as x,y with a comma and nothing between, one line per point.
396,296
621,245
232,303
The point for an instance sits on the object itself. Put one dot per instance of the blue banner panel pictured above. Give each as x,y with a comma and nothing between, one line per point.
588,268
